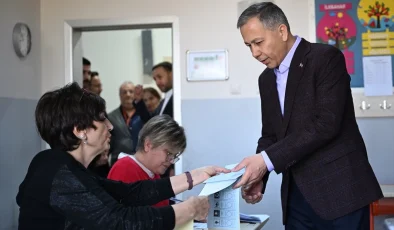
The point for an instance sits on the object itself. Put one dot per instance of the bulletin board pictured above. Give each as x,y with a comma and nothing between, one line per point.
361,29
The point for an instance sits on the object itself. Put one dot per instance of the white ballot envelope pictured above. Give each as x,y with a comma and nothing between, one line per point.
221,181
211,188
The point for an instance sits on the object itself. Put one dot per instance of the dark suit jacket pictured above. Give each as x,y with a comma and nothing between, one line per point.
317,140
143,112
121,140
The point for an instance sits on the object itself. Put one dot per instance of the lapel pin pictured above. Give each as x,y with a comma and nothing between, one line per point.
301,65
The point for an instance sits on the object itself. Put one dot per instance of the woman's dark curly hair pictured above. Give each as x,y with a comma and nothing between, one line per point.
59,111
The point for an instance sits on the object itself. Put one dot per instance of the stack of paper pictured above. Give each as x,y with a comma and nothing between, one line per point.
249,219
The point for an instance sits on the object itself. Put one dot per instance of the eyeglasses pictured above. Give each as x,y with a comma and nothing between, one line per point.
173,158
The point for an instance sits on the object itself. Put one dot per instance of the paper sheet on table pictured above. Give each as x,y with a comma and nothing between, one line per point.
200,225
249,218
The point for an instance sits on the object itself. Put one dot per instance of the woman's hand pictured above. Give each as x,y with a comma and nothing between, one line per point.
193,208
202,174
200,205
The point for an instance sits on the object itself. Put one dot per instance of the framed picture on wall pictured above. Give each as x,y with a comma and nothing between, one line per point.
207,65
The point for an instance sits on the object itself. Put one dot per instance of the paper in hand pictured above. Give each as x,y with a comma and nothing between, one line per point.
226,176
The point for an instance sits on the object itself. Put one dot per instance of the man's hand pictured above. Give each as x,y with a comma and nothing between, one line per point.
252,193
138,93
254,172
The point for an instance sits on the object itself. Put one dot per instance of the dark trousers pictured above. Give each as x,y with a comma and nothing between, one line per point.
300,216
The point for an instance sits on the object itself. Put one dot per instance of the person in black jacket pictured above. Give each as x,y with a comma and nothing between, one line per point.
162,74
309,130
59,192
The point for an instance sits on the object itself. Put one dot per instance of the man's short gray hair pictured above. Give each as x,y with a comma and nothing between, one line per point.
163,130
269,14
123,84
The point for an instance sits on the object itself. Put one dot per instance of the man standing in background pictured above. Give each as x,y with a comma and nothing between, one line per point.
95,83
162,75
86,66
127,123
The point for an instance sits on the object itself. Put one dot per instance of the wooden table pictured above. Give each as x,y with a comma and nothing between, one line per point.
384,206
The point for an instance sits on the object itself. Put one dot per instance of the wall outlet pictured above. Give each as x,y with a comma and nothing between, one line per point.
235,89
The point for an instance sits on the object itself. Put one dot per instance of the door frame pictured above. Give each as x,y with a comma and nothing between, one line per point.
71,26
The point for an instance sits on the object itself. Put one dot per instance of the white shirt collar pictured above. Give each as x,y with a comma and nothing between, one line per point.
169,93
285,65
167,97
150,173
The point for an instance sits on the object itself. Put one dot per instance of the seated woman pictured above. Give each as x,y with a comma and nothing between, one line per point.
152,100
160,134
59,192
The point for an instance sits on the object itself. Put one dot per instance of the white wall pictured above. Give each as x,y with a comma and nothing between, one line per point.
162,45
204,24
20,88
117,56
16,73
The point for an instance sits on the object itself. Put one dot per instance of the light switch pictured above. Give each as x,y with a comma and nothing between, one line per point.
235,89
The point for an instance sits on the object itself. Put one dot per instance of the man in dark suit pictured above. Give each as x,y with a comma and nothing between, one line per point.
309,133
162,74
86,71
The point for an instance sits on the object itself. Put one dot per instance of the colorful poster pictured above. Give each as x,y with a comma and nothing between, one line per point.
358,28
377,17
337,28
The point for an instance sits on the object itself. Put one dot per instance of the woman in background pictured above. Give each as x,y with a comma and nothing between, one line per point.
160,133
59,192
152,100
